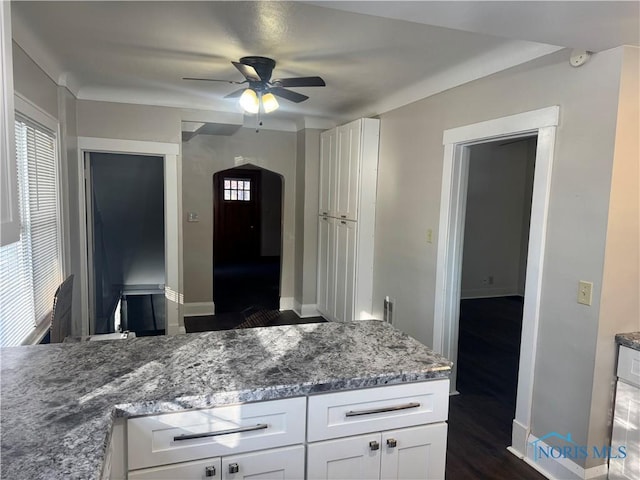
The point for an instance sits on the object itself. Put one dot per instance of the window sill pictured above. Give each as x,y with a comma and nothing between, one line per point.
39,333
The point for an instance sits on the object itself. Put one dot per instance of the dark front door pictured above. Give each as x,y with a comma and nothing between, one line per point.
237,216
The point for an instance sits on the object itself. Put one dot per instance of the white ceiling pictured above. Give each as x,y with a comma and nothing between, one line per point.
374,56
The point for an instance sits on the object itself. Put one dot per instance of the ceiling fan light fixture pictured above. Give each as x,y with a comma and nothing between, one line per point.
269,102
249,101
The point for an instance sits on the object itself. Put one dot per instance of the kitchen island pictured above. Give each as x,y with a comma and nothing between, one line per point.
59,402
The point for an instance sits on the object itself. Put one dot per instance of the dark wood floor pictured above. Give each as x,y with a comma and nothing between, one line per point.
227,321
480,416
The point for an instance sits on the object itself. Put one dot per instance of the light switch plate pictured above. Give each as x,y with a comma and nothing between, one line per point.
585,290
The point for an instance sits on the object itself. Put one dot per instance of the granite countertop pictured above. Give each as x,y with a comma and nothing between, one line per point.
58,402
631,340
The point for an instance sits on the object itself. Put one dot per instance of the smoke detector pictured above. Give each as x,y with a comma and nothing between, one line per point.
579,58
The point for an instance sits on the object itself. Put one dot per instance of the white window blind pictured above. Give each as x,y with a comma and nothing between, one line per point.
31,269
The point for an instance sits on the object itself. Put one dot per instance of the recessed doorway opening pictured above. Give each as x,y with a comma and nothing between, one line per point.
247,239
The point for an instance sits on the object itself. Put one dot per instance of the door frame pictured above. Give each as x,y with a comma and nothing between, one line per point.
172,227
457,143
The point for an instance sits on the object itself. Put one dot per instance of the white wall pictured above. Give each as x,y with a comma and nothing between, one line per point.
409,184
497,218
204,155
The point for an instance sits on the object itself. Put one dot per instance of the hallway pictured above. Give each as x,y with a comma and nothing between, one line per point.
480,416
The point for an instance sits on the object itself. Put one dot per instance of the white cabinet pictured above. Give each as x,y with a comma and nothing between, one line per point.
328,153
392,432
345,233
389,432
230,442
278,463
348,180
345,458
326,296
349,161
410,453
626,420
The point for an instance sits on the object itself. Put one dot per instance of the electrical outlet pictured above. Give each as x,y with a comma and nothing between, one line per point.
585,290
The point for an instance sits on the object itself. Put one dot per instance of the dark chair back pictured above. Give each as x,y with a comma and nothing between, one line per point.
61,314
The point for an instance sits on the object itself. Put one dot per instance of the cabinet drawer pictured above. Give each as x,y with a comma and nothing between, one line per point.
195,434
629,365
342,414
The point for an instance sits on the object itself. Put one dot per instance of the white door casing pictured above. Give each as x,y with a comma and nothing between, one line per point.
457,142
173,221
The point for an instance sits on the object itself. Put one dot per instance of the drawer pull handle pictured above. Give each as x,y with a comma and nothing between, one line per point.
392,442
209,471
260,426
374,446
234,468
356,413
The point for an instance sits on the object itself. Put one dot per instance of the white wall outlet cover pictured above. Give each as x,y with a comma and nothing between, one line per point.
579,57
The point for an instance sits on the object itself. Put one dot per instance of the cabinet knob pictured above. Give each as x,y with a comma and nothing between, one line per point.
209,471
234,468
374,445
391,442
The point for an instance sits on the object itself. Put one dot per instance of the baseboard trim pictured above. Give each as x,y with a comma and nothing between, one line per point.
560,468
306,311
287,303
519,436
197,309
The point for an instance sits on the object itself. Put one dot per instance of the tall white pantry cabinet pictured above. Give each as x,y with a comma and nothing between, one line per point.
348,181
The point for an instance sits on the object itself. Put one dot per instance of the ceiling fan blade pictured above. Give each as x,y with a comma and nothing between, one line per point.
299,82
235,94
288,94
248,71
213,80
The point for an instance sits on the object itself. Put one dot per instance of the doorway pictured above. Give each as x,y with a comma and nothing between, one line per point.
457,143
126,240
247,239
494,260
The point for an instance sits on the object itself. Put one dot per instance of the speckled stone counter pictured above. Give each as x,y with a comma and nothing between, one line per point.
58,402
631,340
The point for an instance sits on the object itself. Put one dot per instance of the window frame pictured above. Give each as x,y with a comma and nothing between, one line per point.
35,114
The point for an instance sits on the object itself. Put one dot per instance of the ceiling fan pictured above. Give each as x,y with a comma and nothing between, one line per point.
257,73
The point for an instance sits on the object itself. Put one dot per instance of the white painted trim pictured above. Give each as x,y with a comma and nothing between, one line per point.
287,303
306,310
35,113
198,309
482,132
133,147
10,216
561,468
451,233
173,218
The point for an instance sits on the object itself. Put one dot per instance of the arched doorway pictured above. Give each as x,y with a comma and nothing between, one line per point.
247,239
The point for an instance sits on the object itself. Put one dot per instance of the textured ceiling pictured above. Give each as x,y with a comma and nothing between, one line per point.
138,51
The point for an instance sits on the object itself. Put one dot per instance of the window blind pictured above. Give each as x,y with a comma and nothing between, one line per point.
31,269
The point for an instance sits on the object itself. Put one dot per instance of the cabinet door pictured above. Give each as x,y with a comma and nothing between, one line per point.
414,453
345,269
279,463
328,151
351,458
208,469
625,433
326,267
348,169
